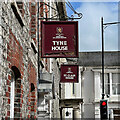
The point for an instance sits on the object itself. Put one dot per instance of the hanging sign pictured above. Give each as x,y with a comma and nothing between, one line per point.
59,39
69,73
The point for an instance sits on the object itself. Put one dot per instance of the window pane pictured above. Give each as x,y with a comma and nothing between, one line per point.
114,89
106,77
101,78
115,78
107,82
107,88
118,89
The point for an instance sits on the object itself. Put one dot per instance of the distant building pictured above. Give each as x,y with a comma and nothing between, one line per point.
90,85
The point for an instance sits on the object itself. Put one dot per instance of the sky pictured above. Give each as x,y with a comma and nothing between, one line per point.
90,25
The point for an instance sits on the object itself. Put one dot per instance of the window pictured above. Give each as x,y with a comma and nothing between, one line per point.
112,83
107,83
115,84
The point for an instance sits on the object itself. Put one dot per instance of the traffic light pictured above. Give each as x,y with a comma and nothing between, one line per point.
104,109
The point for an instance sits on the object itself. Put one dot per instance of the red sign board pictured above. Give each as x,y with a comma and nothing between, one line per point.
69,73
59,39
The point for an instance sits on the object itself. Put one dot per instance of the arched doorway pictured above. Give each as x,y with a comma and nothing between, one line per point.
15,94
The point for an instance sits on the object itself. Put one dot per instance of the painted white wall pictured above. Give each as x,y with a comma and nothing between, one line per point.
88,93
97,86
68,90
77,86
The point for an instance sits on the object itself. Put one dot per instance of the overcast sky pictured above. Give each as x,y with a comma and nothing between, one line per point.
90,25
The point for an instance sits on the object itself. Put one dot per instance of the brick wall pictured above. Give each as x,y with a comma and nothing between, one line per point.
33,87
33,21
17,57
15,53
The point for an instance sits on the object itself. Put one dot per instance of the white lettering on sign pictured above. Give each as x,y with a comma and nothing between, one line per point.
59,42
59,37
59,45
69,76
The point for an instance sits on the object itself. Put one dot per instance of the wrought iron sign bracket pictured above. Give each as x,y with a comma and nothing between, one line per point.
67,18
56,17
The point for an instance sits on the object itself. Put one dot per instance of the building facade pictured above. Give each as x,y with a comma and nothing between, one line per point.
18,61
49,82
22,93
90,85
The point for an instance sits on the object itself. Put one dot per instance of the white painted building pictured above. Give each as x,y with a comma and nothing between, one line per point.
90,85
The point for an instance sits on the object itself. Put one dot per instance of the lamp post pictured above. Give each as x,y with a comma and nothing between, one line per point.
102,30
103,93
103,108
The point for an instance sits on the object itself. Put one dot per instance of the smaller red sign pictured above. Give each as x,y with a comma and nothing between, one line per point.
69,73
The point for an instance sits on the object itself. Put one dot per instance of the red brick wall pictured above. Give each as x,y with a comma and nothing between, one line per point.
33,21
14,58
15,53
32,102
41,9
